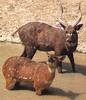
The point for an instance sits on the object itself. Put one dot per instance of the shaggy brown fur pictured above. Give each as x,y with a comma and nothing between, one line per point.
20,69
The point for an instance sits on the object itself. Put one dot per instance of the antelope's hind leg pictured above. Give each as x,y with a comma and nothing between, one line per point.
30,51
24,54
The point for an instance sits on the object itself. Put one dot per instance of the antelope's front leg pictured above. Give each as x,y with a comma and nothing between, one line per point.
71,58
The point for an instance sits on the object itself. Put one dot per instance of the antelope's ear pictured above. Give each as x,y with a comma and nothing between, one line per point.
63,26
77,27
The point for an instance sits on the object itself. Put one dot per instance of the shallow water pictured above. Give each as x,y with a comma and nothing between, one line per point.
66,86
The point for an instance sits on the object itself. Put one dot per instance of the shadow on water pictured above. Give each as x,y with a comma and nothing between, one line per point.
79,68
51,91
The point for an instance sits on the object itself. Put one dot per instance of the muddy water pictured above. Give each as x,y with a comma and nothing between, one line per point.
66,86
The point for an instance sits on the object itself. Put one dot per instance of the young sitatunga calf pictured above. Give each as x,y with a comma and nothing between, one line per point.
21,69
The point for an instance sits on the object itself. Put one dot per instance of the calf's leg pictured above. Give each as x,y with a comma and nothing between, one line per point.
37,89
38,92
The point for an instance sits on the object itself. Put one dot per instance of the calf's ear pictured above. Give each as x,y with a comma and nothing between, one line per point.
77,27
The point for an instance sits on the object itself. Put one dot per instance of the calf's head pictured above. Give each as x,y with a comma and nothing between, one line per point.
52,58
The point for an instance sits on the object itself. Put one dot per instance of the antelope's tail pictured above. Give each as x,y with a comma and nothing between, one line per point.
14,33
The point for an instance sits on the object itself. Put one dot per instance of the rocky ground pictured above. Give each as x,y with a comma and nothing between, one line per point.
14,13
